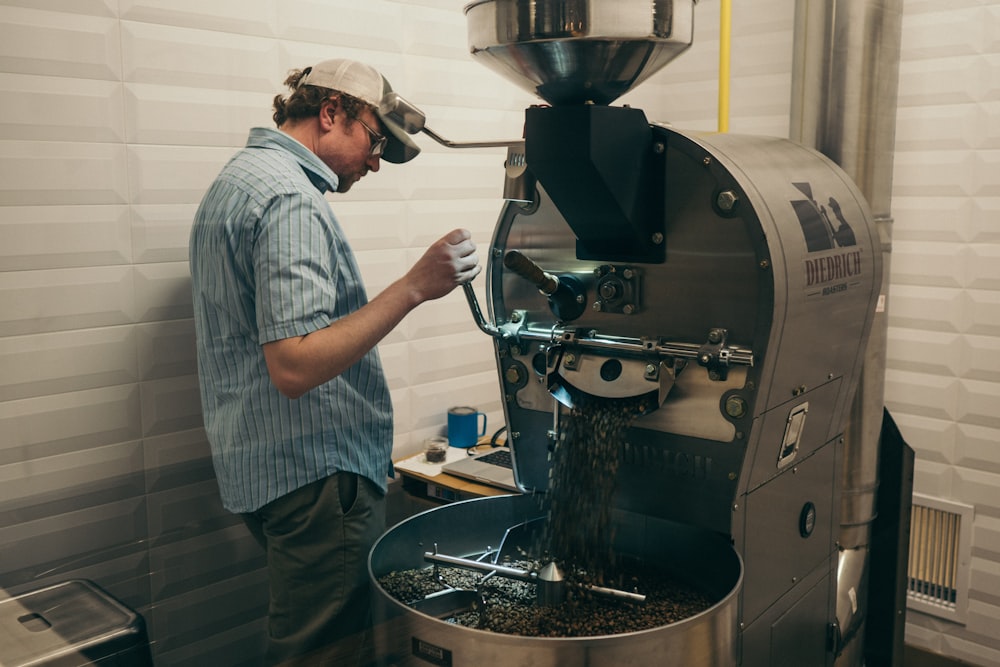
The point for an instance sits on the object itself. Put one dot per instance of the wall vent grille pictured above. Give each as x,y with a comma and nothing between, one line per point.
940,544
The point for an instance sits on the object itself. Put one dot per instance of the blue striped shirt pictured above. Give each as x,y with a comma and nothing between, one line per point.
270,261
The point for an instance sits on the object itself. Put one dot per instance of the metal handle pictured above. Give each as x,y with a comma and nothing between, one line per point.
527,269
477,314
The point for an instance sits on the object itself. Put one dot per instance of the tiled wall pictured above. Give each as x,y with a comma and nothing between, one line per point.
116,114
943,375
114,117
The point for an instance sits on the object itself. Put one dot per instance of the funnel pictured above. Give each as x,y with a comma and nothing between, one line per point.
579,51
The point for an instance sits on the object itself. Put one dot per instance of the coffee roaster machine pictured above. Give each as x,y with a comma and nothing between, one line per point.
730,279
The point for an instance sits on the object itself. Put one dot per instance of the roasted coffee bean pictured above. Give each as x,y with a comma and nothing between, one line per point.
511,609
582,482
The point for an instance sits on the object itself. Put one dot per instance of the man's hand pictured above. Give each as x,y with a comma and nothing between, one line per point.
449,262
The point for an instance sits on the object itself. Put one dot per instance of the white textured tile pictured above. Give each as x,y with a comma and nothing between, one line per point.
919,219
173,451
160,232
109,528
446,357
59,44
230,604
65,299
967,649
955,81
976,447
983,265
941,34
66,361
929,264
344,23
978,401
450,5
437,33
929,352
922,307
178,115
37,428
981,358
186,508
163,291
983,217
371,225
464,83
185,566
55,476
47,173
199,58
430,402
947,126
475,173
429,220
933,479
922,393
35,108
447,315
166,349
170,404
52,237
984,613
244,17
976,487
173,174
933,439
395,362
983,307
986,532
950,173
92,7
985,170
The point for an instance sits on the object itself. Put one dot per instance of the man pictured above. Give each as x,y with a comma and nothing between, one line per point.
293,394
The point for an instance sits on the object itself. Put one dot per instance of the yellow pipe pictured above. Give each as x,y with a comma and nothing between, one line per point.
725,38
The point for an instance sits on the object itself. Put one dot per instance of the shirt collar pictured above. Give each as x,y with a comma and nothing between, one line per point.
318,173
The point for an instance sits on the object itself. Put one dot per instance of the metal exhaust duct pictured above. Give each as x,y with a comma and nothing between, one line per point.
844,91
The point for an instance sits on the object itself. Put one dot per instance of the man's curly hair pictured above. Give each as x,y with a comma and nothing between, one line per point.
305,101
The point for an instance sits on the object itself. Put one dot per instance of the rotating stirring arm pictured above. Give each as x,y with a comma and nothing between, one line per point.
549,579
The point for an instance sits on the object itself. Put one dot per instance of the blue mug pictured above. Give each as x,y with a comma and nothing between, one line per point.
463,426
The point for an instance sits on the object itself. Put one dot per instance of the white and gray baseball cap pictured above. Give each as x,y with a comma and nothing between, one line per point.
368,85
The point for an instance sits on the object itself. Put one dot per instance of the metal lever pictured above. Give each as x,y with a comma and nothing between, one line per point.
567,295
546,283
477,314
413,120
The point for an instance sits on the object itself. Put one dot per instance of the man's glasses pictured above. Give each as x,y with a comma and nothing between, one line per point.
377,141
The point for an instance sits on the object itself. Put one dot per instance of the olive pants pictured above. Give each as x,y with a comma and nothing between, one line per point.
317,540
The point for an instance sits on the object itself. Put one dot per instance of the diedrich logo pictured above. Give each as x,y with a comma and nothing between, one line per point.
823,235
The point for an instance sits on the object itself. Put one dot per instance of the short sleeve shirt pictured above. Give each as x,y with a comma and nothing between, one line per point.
269,261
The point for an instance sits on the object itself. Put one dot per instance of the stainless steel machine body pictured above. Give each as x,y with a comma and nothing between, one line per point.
731,280
751,328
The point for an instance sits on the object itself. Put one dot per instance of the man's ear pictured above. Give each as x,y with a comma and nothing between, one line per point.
328,112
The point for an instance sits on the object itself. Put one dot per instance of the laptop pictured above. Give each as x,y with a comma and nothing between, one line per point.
493,467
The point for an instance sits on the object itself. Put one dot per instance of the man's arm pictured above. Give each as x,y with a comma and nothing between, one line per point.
301,363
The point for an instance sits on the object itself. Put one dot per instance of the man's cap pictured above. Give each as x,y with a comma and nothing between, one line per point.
368,85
